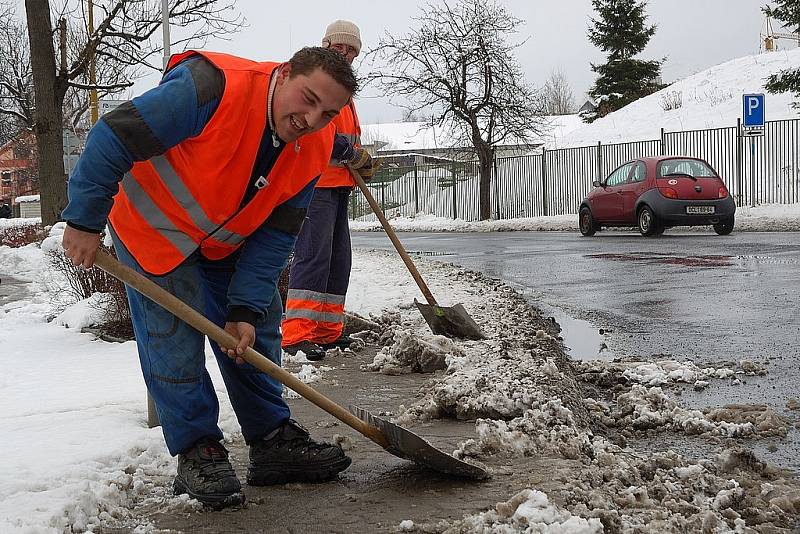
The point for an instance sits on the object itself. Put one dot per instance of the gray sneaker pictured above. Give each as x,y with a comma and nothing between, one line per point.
205,474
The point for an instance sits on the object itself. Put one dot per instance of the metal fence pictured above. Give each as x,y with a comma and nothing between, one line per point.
757,170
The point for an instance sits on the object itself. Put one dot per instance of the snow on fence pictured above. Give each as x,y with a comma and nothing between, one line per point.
761,170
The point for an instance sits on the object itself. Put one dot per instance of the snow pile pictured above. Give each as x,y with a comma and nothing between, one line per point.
406,525
764,218
27,198
660,492
19,221
664,492
662,372
549,430
308,374
657,373
501,388
431,223
529,511
414,354
642,409
710,99
517,368
86,312
104,491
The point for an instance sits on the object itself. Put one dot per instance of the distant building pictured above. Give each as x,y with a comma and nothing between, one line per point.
587,107
17,170
29,206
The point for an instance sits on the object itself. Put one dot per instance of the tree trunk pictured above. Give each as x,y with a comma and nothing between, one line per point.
485,156
48,117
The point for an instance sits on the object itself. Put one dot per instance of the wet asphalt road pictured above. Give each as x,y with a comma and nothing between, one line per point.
689,295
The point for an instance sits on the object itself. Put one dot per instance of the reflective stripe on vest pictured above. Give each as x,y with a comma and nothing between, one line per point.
145,205
150,211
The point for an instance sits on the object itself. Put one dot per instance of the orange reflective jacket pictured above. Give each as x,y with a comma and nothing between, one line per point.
190,196
346,123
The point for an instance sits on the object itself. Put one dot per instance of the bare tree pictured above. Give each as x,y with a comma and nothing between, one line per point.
16,81
457,68
557,95
16,77
121,43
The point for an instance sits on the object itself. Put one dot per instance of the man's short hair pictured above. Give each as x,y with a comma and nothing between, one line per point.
306,60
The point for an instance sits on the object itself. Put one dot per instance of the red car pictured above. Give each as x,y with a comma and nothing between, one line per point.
658,193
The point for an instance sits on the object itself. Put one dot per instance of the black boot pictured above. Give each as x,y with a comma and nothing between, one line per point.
312,351
342,342
205,474
290,455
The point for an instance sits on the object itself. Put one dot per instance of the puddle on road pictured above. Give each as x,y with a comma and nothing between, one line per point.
669,259
770,260
581,338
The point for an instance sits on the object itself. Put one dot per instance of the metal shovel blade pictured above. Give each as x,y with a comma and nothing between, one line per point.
407,445
451,321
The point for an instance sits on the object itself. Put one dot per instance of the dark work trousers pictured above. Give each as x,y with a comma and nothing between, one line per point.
172,356
320,272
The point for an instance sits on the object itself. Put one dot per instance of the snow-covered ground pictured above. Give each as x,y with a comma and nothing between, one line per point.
76,448
78,454
766,218
710,99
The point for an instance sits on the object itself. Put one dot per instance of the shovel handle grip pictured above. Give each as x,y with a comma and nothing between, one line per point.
393,236
190,316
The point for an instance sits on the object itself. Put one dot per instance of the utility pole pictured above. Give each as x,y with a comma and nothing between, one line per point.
92,66
165,29
152,414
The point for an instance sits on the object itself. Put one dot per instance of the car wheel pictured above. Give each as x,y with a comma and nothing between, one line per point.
725,227
586,222
648,224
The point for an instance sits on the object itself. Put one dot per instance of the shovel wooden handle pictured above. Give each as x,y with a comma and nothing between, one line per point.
393,236
187,314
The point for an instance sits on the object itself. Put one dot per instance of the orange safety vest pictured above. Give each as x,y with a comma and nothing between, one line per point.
189,197
347,124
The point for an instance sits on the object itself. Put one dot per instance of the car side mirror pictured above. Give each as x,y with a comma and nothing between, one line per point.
597,183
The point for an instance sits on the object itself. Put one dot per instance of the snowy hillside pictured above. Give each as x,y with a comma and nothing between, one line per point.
709,99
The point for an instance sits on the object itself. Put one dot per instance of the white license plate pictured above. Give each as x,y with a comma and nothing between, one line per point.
699,210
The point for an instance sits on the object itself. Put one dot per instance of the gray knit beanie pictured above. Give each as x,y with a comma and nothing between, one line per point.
342,32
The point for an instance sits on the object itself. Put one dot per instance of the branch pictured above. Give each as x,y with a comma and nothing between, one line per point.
112,87
14,113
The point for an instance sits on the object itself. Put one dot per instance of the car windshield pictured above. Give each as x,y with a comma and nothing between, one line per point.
684,167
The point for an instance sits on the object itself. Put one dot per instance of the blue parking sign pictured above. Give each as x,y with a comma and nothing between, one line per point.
753,110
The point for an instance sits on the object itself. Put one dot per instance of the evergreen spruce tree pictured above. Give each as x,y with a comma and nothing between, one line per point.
622,31
788,12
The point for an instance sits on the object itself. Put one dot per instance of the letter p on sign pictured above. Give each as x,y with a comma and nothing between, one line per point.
753,110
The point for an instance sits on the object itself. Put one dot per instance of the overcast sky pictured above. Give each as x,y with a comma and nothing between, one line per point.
692,34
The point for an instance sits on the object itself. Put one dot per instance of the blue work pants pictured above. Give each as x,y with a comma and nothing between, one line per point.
172,356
